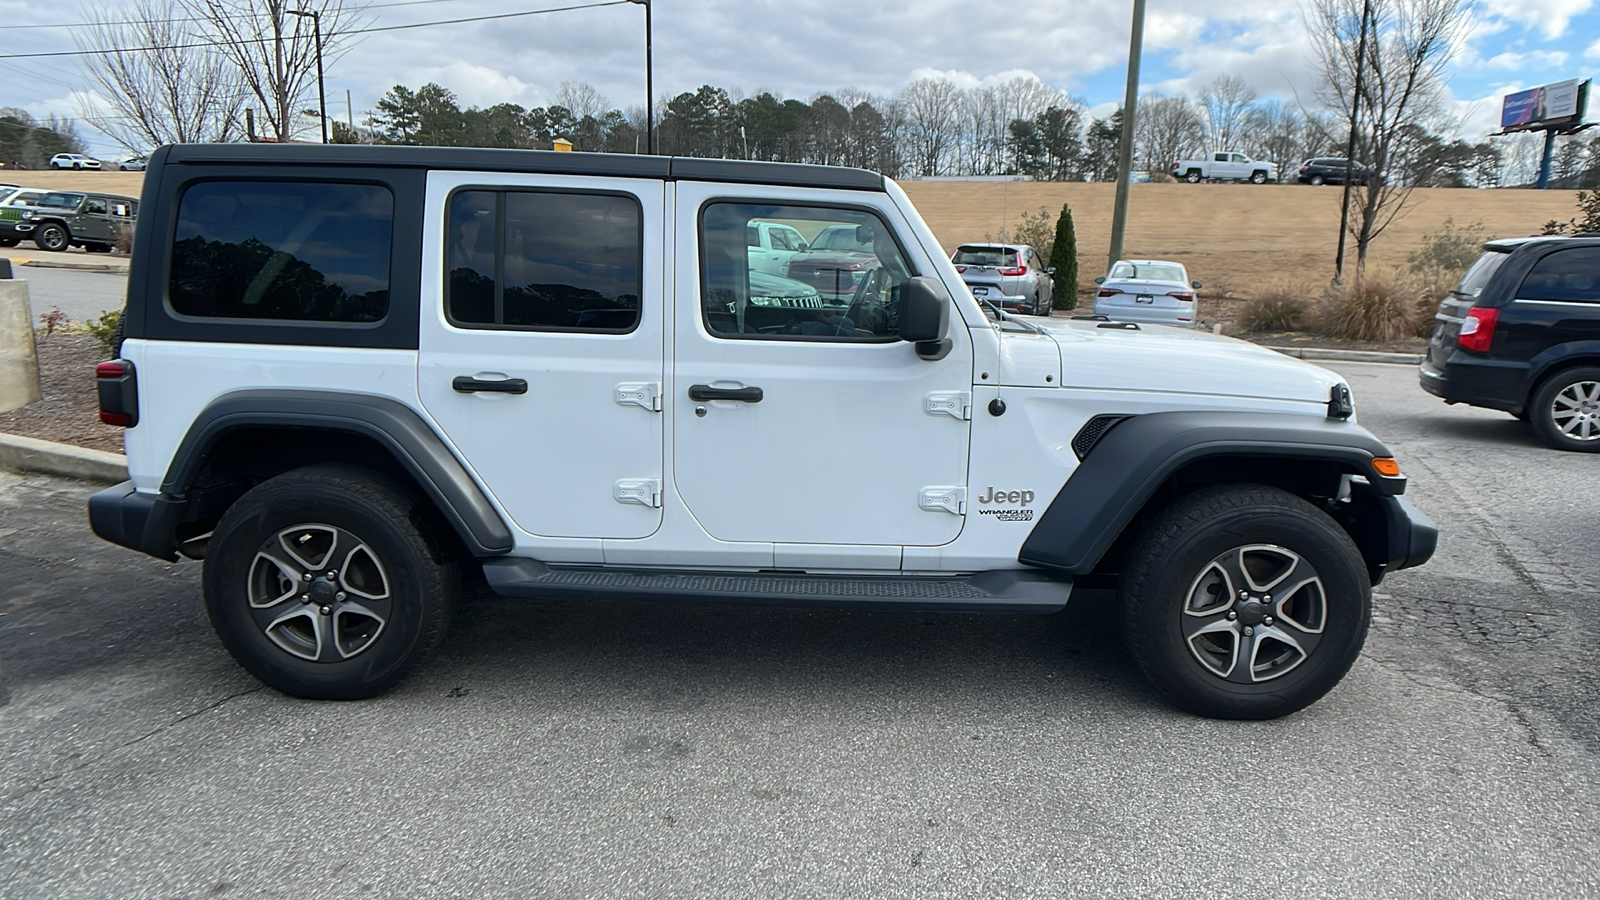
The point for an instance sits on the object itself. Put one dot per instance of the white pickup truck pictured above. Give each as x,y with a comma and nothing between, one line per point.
1225,165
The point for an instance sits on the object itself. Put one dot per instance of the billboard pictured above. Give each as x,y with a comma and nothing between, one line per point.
1552,103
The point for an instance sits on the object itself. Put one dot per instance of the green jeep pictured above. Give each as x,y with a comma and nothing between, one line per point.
65,219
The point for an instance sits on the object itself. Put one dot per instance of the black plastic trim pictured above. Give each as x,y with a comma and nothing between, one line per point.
396,427
1133,459
143,522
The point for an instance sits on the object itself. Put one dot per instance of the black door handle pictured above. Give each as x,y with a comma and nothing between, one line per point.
707,392
466,384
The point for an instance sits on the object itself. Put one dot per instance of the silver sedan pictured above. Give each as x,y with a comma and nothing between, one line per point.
1154,291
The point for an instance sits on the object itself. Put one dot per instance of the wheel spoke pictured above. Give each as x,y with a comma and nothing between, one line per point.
354,628
273,580
1216,645
1273,652
312,546
362,574
1211,592
302,632
1266,566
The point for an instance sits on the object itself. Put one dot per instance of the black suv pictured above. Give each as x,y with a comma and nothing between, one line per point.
1330,170
1521,333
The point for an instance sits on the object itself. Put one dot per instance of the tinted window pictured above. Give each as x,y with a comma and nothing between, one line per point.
283,250
61,198
95,205
829,294
985,256
545,260
1571,275
1477,277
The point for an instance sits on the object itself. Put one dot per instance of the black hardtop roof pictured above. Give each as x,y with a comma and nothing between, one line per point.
1507,245
623,165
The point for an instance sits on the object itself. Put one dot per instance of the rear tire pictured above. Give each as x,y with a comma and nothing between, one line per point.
1565,410
1316,180
1285,642
1193,176
329,582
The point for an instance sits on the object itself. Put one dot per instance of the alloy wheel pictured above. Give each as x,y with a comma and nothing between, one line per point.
319,593
1254,613
1576,411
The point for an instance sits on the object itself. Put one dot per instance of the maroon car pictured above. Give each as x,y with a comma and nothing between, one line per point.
837,261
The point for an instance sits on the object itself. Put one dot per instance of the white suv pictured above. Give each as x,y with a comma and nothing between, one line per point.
73,161
352,374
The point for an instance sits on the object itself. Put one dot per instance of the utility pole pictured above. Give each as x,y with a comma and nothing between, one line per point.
649,84
1119,216
322,95
1350,148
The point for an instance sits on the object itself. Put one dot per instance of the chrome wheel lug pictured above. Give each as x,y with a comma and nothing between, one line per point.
305,598
1248,631
1267,621
1232,615
340,596
327,610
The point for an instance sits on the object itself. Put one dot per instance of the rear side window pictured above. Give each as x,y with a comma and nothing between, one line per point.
299,251
1477,277
1570,275
545,260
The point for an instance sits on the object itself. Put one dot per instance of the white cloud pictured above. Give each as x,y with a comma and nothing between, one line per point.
1516,62
1550,16
1593,52
476,85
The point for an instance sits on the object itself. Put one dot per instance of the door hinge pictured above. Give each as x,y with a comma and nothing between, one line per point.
643,491
955,404
643,394
944,499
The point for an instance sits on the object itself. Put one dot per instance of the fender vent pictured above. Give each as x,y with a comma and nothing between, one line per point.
1092,431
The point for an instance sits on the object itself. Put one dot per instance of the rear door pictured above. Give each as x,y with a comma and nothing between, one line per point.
1453,306
541,344
93,222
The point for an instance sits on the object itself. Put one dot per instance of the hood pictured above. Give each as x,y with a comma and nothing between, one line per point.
1175,360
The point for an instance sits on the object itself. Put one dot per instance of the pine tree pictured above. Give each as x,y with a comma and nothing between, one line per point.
1064,259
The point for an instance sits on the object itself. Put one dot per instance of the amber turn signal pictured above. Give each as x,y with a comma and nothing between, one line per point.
1385,465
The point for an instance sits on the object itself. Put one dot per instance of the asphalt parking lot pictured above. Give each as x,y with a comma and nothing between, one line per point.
629,750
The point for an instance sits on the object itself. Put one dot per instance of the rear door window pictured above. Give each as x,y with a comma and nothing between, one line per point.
1571,276
986,256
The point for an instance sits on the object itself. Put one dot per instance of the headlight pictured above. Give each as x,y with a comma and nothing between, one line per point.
26,214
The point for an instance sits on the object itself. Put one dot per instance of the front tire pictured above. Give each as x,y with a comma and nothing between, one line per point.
1565,410
52,237
329,582
1244,602
1258,178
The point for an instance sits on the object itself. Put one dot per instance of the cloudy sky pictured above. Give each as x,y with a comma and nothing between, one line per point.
801,47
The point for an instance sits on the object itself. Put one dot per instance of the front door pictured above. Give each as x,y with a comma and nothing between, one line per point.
541,344
814,424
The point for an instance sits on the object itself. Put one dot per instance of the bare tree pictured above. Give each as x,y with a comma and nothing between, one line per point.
1168,128
930,110
274,52
1408,43
158,87
1227,101
582,100
1275,129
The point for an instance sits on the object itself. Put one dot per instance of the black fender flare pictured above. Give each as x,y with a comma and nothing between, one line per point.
391,424
1136,456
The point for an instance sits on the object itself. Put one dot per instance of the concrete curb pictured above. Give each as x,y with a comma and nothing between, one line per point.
75,266
24,454
1366,356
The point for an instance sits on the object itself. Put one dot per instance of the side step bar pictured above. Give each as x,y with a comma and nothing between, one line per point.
1019,590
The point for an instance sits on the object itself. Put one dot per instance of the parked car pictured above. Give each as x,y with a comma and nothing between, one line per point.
135,164
73,161
770,246
1225,165
1331,170
836,262
16,196
12,203
63,219
1013,277
342,428
1521,333
1155,291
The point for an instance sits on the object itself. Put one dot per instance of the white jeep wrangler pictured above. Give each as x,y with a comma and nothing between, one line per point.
352,374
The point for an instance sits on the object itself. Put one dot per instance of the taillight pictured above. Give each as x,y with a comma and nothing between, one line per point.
1185,296
1107,292
1019,270
961,269
119,393
1477,330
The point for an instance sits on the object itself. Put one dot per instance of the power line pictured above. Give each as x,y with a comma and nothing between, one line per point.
528,12
193,19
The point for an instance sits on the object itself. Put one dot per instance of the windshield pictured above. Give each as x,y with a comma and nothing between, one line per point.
1148,272
841,238
985,256
61,198
1472,283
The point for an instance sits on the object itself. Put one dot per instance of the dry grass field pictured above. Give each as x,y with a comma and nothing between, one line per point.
1233,237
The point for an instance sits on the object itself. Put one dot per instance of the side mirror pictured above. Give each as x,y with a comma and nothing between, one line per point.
864,234
1195,285
1100,280
925,316
1050,270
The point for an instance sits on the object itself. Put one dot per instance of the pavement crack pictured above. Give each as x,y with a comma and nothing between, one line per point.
1530,734
159,729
